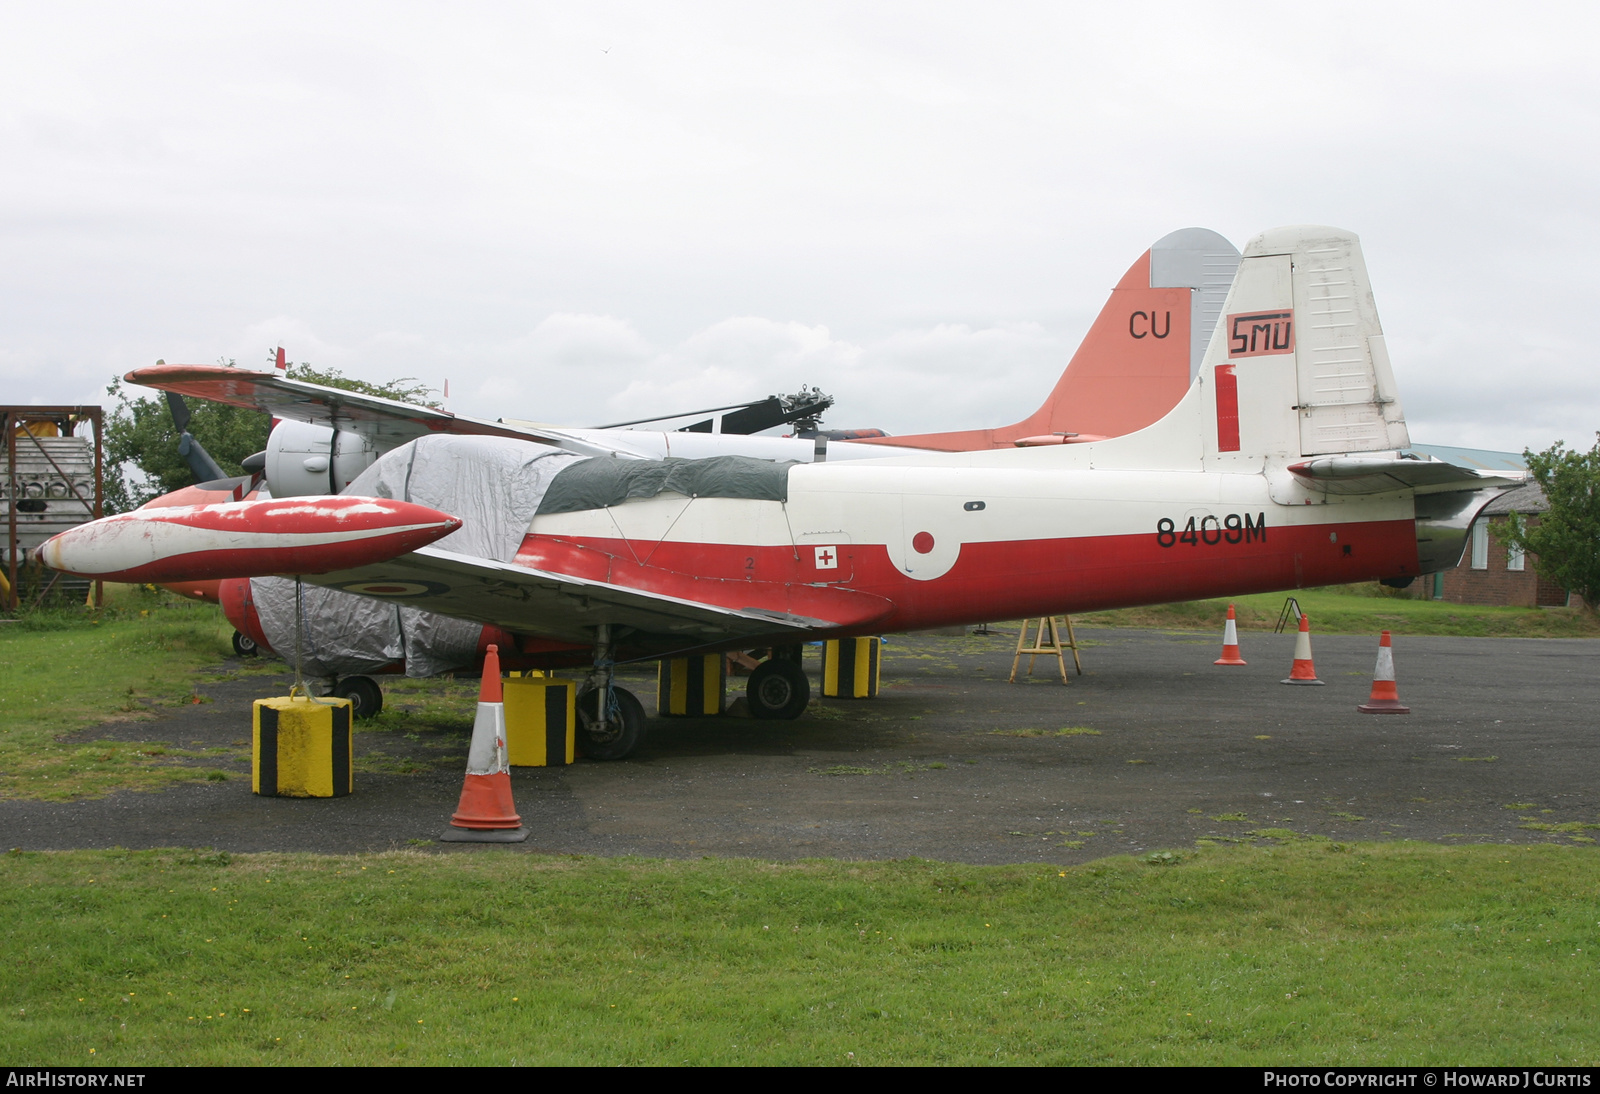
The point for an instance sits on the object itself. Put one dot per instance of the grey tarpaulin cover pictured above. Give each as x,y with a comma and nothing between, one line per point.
492,483
602,481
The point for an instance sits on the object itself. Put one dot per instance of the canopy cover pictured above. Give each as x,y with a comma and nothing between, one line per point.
603,481
492,483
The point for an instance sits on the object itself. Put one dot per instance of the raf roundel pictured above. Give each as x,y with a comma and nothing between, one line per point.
394,588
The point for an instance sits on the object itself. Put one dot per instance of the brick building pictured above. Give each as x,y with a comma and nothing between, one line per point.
1493,573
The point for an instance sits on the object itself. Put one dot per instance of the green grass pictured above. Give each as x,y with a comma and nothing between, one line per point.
71,669
443,701
1310,952
1347,609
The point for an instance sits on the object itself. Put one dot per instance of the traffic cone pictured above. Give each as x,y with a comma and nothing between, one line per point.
1385,696
1230,643
1303,671
486,813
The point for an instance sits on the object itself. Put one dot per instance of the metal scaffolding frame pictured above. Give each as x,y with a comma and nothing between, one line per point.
13,422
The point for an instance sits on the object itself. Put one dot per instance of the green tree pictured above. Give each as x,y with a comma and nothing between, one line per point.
142,440
142,445
407,389
1566,537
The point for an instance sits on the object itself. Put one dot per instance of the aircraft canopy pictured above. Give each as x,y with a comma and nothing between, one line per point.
603,481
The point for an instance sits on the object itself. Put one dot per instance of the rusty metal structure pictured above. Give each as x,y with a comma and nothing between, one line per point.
54,477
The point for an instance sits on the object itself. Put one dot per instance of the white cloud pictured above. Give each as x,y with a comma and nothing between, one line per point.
949,376
915,207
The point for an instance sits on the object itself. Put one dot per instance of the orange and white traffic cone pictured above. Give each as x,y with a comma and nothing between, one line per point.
486,813
1230,642
1303,671
1385,696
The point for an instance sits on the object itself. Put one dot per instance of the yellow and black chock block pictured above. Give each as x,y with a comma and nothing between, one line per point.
691,687
541,721
850,668
300,747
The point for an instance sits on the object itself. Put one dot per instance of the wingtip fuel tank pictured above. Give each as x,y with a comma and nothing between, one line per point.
246,539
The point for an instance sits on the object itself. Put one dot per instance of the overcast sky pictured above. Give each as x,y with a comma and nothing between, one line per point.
588,212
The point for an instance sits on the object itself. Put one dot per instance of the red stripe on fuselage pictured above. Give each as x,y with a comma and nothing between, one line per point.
992,581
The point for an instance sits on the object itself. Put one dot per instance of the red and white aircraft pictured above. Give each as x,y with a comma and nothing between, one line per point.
1282,466
1136,361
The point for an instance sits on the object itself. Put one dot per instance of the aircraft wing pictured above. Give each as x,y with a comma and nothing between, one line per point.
1379,474
388,422
557,606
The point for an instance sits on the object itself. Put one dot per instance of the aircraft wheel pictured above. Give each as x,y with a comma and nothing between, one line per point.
244,645
366,697
779,688
624,732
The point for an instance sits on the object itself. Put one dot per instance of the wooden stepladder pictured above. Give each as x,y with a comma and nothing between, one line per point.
1051,648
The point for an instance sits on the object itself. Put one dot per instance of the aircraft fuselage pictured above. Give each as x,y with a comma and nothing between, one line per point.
902,547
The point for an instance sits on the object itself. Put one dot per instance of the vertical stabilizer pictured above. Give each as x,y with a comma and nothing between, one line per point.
1138,358
1297,366
1346,399
1201,260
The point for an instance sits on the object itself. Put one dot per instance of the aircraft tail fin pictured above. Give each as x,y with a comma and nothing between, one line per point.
1298,365
1137,359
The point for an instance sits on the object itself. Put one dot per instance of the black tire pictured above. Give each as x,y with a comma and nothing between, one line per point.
244,645
366,697
624,734
778,689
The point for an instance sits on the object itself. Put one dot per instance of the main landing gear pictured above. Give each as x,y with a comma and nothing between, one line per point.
366,697
610,719
779,688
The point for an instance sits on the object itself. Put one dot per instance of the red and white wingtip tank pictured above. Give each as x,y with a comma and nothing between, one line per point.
1233,491
245,539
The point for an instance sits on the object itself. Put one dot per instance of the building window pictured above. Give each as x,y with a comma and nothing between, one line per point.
1514,558
1480,546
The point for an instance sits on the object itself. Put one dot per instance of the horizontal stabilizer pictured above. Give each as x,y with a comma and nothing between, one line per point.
1380,474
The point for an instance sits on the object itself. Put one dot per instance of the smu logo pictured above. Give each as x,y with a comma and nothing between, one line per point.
1258,334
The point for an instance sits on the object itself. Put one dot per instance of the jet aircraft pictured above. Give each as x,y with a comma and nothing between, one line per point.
1284,465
